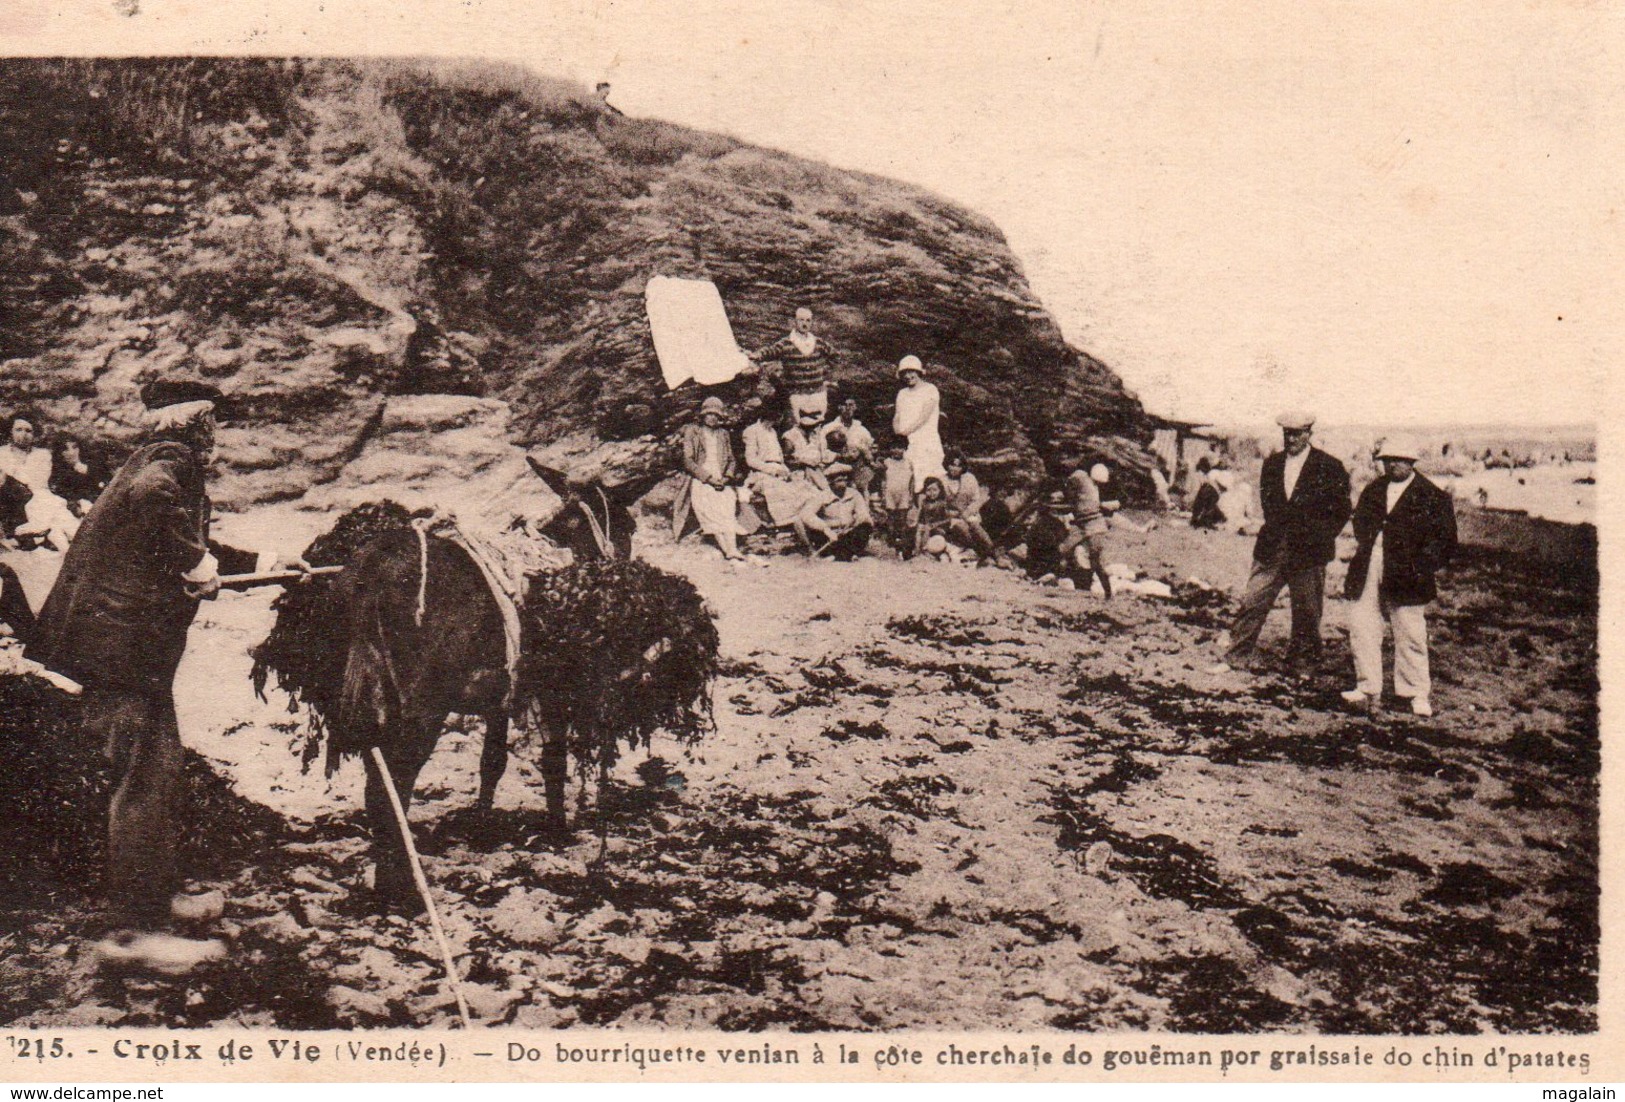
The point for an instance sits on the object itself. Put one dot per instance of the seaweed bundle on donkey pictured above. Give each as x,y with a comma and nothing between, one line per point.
409,632
308,647
614,652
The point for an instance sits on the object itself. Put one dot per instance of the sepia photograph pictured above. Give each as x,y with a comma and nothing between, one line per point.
783,520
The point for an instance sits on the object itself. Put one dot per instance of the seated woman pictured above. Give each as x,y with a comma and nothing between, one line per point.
708,459
49,518
76,477
1205,509
933,516
769,475
1236,503
965,501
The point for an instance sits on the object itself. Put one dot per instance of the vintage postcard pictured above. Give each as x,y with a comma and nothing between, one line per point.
815,540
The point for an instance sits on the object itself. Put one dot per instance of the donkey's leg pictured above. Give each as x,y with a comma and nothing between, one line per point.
393,884
493,759
555,774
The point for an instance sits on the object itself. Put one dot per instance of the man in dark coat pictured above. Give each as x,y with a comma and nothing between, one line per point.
16,616
1406,530
1305,495
116,621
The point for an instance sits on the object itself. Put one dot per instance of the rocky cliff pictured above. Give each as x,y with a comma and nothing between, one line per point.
316,236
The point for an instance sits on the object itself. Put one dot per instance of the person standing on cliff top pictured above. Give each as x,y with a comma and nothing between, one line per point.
805,360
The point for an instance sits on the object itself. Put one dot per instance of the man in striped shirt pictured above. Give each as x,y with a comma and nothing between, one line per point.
804,360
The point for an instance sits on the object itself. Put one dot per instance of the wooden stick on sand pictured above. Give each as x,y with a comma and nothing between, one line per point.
423,885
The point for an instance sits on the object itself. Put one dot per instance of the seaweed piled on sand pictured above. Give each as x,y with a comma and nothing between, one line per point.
309,643
54,791
52,796
613,652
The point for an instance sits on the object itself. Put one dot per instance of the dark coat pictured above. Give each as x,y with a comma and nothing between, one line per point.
1205,511
1302,532
14,499
73,487
14,607
692,441
1418,539
118,614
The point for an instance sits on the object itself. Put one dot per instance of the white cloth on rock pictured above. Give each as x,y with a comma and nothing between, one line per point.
692,337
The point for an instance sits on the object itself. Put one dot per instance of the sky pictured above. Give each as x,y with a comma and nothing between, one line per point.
1385,212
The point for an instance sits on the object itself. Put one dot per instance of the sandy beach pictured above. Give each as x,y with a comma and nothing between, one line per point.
940,797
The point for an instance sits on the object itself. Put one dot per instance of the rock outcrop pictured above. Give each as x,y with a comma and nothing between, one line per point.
316,236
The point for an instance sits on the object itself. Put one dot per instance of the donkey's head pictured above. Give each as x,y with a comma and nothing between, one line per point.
596,520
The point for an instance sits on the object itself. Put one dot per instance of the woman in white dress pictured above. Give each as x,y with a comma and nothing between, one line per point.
48,515
919,406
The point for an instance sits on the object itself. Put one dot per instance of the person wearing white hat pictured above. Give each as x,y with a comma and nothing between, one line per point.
1405,528
708,459
919,407
1305,498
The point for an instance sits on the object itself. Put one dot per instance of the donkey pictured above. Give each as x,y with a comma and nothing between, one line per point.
409,666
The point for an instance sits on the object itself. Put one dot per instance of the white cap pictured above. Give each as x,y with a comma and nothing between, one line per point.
910,363
1400,447
1297,419
1100,473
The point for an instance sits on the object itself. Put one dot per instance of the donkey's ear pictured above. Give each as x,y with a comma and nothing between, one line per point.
557,481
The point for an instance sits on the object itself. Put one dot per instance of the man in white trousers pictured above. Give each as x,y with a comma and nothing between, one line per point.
1406,531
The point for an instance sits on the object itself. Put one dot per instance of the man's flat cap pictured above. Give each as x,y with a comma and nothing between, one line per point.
1400,447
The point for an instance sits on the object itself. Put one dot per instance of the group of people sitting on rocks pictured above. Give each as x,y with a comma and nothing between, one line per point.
45,488
844,494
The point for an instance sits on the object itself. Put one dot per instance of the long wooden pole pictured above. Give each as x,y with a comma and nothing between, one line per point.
422,884
274,577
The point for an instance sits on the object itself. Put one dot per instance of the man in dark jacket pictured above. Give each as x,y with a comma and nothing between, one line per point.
1305,495
1406,529
116,621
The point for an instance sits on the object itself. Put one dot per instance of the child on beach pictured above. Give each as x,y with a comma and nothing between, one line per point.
897,496
933,518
